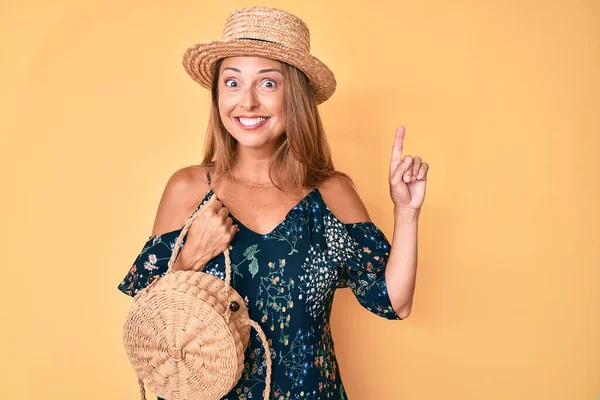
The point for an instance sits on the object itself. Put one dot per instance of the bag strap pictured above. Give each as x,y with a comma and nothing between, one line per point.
225,291
265,343
178,247
252,323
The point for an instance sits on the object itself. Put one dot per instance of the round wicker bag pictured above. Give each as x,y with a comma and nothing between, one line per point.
186,333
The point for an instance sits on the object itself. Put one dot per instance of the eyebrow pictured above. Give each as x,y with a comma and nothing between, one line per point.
262,71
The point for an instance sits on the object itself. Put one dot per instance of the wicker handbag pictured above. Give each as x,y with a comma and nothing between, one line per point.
186,333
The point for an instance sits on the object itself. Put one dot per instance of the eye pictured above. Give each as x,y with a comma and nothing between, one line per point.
228,81
269,84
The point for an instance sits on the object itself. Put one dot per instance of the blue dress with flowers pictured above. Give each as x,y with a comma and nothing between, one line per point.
287,279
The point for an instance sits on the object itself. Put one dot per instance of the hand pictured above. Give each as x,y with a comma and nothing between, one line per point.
209,235
408,177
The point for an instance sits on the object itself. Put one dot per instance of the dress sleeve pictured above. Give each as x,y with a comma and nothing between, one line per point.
361,251
152,261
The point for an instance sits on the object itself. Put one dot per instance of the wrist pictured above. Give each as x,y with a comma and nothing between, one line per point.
178,264
183,264
406,215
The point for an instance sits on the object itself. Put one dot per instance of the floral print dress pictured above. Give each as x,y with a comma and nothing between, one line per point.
287,279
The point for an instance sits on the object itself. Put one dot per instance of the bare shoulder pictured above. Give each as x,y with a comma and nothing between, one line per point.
183,191
341,197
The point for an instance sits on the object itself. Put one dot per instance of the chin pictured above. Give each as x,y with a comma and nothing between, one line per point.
253,139
253,142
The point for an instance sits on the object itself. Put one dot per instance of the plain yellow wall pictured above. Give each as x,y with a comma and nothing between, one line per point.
501,98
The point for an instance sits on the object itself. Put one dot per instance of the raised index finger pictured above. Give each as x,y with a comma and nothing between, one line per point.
397,149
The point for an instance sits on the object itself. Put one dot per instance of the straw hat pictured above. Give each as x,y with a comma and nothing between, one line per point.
264,32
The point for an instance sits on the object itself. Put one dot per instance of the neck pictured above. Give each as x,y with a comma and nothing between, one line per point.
252,168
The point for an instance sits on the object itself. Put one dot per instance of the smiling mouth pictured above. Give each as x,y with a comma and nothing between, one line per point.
251,123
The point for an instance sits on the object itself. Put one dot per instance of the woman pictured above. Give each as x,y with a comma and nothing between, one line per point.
296,228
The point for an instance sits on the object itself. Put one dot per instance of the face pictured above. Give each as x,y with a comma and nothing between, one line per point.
251,101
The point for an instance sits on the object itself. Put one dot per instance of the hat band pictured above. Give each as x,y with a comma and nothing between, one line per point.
260,40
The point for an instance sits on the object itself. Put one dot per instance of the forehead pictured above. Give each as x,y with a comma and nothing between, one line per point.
250,64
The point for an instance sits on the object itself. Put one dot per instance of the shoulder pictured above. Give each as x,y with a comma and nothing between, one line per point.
341,197
184,189
186,179
186,183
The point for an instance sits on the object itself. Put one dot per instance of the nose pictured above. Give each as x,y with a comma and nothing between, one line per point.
249,99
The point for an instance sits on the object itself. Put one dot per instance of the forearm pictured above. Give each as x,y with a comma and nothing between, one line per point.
401,268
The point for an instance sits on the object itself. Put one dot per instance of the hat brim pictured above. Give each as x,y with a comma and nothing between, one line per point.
199,61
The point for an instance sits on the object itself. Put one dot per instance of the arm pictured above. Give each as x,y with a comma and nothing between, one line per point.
178,200
401,271
408,180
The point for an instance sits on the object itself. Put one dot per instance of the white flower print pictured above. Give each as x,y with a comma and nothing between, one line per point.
150,265
318,282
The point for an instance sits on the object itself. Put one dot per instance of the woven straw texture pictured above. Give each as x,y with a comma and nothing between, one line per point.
265,32
186,333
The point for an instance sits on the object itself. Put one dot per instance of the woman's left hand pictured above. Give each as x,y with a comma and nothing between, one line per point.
408,177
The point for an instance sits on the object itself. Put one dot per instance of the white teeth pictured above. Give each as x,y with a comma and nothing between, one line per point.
251,121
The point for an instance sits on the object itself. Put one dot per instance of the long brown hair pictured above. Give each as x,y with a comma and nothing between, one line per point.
303,160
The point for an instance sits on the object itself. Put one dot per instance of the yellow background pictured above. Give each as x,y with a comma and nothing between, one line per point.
501,98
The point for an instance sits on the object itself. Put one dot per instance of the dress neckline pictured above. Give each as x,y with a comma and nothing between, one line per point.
326,209
285,218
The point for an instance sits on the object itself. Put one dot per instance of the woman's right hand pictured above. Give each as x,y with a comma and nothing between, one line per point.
209,235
